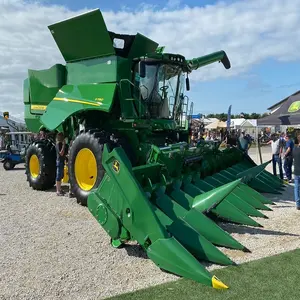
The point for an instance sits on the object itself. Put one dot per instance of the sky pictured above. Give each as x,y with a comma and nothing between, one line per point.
260,37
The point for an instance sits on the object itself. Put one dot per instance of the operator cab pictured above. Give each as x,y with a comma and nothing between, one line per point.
160,87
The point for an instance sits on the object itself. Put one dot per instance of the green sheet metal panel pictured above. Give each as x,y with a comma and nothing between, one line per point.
141,46
92,71
82,37
72,99
32,121
44,84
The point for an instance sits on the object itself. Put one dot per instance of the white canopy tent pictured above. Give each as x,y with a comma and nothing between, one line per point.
216,124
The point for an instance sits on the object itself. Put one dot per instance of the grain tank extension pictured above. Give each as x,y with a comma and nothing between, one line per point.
123,102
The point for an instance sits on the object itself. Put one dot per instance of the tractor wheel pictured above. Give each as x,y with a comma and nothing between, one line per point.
85,165
85,161
40,165
8,165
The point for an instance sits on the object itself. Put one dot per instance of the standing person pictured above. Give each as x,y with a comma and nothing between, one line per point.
207,136
195,137
60,162
296,157
71,194
244,142
288,157
282,145
276,155
232,139
192,136
199,135
42,134
250,139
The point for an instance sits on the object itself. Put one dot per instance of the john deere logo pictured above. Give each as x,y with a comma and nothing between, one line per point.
295,106
116,166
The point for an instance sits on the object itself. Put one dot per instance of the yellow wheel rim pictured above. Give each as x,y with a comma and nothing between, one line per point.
85,169
34,166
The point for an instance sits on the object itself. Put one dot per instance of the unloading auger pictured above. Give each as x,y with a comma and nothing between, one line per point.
121,100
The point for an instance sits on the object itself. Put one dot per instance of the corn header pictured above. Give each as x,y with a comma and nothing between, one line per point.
122,102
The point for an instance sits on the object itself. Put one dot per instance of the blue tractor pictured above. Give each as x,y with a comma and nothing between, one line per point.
11,158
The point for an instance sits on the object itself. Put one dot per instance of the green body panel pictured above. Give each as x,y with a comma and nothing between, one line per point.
44,84
38,91
98,70
95,70
141,46
81,37
73,99
33,121
164,194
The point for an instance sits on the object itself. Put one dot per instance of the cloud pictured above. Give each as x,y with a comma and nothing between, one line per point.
249,31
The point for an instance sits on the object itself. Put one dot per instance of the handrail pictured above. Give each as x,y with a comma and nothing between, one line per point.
131,83
134,86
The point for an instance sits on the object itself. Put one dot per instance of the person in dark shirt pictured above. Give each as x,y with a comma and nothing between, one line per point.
60,162
232,139
296,157
288,157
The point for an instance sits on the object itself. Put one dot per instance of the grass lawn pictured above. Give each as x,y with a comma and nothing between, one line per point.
275,277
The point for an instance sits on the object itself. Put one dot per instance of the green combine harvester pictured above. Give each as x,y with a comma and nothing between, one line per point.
122,102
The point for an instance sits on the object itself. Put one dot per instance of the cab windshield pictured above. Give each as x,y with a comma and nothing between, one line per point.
161,89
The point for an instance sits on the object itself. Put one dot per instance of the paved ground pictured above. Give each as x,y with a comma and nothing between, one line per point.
265,153
52,248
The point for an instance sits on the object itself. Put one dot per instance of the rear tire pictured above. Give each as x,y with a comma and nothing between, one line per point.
8,165
40,165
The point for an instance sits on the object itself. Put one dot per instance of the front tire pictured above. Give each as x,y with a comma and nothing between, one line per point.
85,165
85,161
40,165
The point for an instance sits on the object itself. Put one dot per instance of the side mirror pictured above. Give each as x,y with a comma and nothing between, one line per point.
142,69
187,84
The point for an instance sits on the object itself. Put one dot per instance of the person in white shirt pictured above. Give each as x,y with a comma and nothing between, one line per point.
276,154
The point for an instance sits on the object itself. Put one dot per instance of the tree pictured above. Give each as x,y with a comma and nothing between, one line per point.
255,116
223,116
210,116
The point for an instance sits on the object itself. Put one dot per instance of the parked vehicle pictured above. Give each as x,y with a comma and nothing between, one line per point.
10,160
12,156
121,100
